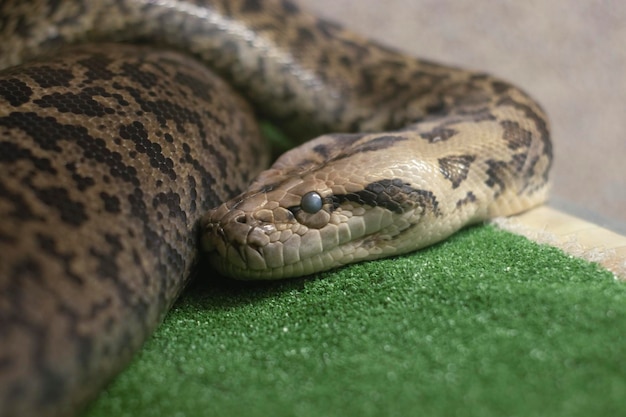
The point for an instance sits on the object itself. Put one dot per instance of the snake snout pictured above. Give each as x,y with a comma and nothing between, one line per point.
235,235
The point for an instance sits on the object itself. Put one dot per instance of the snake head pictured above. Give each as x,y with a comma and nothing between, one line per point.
272,233
316,213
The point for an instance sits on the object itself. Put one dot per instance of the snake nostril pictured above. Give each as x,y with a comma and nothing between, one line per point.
241,219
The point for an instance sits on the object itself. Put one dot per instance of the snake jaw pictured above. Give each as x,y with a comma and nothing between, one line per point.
268,233
237,234
262,243
253,236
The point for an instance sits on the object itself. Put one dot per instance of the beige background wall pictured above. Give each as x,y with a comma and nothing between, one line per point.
569,54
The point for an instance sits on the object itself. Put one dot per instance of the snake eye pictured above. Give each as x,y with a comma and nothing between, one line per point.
311,202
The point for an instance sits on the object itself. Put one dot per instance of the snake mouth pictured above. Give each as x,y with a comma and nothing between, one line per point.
260,258
242,247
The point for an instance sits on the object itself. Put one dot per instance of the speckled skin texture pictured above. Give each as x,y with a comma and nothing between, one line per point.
101,187
383,194
110,155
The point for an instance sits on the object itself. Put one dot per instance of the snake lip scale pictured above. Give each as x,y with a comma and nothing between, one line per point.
129,148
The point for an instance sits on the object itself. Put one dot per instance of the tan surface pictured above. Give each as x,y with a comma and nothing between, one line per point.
569,54
573,235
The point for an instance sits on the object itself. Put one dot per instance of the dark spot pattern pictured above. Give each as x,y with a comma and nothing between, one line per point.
104,208
339,142
497,174
346,145
48,77
374,144
49,134
469,198
515,136
82,182
392,194
438,134
540,124
110,202
71,212
15,92
251,6
11,152
82,103
455,168
97,66
137,133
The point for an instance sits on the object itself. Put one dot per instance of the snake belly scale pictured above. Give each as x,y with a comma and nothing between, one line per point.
112,156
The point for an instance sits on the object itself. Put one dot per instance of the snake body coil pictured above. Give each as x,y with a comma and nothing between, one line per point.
111,154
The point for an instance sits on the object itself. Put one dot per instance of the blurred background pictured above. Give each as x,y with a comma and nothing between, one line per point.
568,54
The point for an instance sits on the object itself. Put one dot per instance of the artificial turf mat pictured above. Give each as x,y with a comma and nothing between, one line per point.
484,324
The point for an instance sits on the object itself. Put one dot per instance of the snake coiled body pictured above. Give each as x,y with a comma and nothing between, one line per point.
111,156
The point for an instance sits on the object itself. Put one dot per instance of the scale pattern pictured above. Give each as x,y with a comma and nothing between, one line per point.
111,156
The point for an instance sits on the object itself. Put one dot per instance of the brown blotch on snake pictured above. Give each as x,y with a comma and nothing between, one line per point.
111,157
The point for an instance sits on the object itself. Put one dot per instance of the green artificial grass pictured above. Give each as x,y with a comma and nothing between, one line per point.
484,324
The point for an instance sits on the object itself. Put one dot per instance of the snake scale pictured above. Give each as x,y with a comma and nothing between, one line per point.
116,140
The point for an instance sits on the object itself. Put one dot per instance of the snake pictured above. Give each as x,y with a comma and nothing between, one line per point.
130,149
